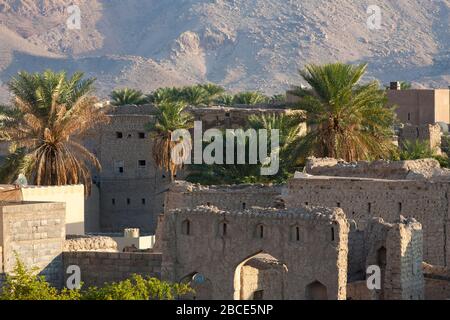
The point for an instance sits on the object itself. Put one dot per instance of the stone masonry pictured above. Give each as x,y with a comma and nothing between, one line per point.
35,232
311,242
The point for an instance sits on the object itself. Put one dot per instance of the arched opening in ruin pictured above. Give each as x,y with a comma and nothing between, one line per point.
316,291
201,285
260,277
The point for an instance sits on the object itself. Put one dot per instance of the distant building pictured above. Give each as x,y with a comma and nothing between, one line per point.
420,106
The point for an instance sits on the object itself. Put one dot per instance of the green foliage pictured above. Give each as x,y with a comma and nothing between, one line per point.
24,284
38,89
51,113
171,116
197,95
416,149
347,120
137,288
128,96
290,130
225,100
404,85
250,98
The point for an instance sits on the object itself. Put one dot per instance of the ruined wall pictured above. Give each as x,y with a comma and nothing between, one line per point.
98,268
437,282
361,199
36,232
380,169
263,280
312,243
394,247
429,134
186,195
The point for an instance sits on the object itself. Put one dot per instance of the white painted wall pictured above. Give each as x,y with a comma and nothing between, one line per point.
72,196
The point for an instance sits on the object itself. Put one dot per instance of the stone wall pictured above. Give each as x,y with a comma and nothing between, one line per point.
98,268
362,199
35,232
437,282
186,195
311,242
429,134
71,195
381,169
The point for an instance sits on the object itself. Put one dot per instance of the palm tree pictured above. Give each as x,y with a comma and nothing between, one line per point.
128,96
290,131
416,149
46,139
165,95
347,120
250,98
225,100
171,116
37,89
195,96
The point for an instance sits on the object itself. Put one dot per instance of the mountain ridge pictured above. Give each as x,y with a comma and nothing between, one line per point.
240,44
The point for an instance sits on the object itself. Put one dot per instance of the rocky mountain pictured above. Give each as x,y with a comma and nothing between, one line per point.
240,44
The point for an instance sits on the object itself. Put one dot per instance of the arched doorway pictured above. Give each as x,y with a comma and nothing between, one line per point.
202,287
316,291
260,277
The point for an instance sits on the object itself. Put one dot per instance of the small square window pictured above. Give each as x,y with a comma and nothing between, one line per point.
119,135
120,169
142,163
227,114
141,135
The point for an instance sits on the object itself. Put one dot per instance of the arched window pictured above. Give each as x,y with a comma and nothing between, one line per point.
316,291
186,227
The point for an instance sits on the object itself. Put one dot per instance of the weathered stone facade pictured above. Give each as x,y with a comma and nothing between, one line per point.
182,194
98,268
217,244
35,232
362,199
428,133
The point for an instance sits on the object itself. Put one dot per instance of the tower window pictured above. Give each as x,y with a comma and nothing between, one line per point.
113,201
143,201
186,227
141,135
128,200
119,135
142,163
